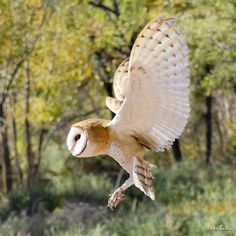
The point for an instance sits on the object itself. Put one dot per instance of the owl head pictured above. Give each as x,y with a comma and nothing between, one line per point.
77,141
87,138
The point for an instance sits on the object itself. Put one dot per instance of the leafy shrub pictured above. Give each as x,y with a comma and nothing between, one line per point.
190,198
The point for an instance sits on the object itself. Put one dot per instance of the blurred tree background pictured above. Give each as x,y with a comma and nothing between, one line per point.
57,61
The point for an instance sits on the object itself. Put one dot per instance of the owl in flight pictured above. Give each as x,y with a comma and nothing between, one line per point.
151,104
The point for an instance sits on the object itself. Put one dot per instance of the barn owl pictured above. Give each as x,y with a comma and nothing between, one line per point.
151,105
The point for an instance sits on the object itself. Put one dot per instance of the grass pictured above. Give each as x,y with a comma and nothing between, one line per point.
191,199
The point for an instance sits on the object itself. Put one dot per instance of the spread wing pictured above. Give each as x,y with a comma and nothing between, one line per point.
156,106
121,79
119,84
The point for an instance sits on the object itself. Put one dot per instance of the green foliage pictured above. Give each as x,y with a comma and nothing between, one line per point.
52,195
75,231
18,200
189,199
84,186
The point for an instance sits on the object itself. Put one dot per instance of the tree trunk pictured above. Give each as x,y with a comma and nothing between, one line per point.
177,151
208,102
19,175
40,146
29,151
6,151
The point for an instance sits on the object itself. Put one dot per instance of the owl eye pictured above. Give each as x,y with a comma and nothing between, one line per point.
77,137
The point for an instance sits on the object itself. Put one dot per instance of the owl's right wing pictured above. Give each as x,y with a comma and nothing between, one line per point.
156,106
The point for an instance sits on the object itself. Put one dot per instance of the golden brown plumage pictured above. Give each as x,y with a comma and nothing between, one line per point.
97,131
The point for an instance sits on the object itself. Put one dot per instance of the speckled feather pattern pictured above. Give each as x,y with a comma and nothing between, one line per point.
156,108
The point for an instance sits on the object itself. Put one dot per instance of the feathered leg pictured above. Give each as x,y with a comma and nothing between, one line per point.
118,195
141,177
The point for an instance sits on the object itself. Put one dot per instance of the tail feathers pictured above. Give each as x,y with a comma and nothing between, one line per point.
143,178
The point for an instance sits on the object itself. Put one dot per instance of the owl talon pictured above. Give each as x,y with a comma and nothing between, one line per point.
116,198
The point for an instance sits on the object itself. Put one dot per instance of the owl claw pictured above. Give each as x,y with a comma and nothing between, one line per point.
116,198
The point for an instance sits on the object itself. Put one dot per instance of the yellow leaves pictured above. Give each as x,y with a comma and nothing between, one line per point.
44,112
218,207
231,128
33,3
207,85
88,71
41,114
195,207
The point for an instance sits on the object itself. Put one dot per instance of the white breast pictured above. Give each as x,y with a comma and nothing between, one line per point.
117,151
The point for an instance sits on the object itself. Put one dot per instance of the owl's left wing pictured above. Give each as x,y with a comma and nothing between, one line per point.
156,105
120,82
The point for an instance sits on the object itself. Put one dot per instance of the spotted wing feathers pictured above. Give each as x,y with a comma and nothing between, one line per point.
156,107
121,79
119,86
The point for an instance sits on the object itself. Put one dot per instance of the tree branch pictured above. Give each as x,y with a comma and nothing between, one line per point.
105,8
116,8
12,77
